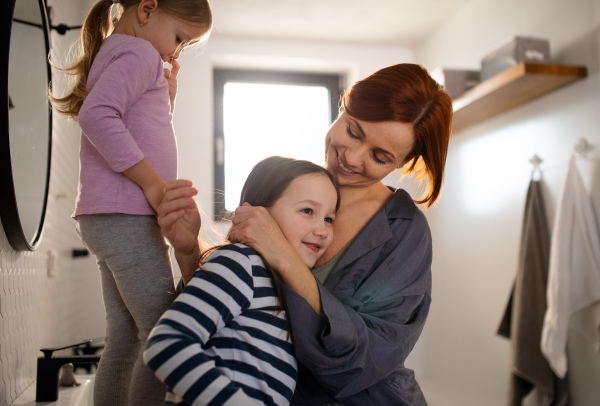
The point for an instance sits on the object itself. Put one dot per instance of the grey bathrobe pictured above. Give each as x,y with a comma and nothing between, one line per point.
376,301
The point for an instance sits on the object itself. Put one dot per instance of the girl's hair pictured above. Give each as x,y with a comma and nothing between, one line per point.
98,25
406,93
271,177
265,184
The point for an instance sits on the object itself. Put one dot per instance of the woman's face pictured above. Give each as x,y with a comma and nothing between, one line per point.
361,153
305,213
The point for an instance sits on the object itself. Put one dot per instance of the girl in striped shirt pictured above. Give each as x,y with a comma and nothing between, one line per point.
226,339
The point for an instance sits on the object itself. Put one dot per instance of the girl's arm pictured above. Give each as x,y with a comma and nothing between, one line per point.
254,226
146,178
179,220
176,348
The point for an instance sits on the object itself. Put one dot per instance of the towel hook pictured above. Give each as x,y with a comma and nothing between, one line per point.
535,160
582,147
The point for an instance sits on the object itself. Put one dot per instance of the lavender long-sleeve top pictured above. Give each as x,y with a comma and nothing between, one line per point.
125,118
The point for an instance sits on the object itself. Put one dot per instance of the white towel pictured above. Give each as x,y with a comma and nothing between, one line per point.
573,292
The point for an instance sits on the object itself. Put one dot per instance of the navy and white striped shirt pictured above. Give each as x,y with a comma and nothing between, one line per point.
224,340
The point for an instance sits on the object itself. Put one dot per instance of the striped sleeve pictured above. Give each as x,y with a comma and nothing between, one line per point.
176,348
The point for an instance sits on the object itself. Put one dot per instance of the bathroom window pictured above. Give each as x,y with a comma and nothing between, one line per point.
263,113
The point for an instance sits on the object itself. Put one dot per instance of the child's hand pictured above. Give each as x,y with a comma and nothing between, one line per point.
155,193
179,215
171,76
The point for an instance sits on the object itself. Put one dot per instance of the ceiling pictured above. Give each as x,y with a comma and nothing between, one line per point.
374,22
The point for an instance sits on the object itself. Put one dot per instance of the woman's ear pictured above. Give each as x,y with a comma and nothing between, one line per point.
145,8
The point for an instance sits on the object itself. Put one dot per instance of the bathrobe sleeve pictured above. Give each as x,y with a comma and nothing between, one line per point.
375,307
176,346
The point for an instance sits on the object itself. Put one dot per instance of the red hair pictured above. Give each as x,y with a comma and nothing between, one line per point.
407,94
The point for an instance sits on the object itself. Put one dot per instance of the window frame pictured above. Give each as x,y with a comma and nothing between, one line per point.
221,76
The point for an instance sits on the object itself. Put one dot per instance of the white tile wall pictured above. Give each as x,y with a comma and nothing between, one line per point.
37,311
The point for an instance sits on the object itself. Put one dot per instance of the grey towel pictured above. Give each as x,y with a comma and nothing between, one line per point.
524,316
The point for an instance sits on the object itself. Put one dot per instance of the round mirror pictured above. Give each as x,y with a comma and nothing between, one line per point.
25,121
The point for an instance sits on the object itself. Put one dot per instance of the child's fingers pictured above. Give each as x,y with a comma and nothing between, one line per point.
177,184
185,194
170,206
166,222
175,68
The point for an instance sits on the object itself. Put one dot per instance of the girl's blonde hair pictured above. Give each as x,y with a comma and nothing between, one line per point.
98,25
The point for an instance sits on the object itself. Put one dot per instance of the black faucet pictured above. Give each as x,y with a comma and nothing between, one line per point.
48,368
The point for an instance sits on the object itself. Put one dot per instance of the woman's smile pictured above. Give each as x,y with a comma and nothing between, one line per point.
343,167
361,153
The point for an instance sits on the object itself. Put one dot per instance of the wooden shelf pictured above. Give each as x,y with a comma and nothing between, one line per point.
509,89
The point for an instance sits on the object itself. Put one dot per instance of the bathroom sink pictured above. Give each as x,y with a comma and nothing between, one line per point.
81,395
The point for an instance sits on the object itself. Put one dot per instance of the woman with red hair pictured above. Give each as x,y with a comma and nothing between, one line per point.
356,316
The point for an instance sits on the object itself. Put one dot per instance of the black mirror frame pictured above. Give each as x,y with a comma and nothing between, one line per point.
9,212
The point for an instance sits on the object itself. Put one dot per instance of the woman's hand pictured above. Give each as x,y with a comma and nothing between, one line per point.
179,215
254,227
171,76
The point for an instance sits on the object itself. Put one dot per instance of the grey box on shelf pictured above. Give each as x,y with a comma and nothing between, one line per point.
518,49
456,81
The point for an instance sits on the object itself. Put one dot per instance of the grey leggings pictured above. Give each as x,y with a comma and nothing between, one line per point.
137,287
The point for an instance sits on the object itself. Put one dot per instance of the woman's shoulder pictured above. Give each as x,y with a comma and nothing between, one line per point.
402,205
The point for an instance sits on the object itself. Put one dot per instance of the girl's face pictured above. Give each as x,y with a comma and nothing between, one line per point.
361,153
167,34
305,213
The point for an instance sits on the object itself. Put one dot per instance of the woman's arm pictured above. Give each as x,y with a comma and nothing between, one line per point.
254,226
362,330
376,309
176,349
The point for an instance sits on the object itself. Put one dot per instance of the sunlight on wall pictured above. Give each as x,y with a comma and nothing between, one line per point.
261,120
490,175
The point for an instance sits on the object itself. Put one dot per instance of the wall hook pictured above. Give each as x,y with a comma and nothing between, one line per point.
535,160
582,147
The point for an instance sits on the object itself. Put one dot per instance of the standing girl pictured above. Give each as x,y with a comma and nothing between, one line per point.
123,100
225,339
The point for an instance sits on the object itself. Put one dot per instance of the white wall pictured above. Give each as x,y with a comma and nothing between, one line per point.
476,225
